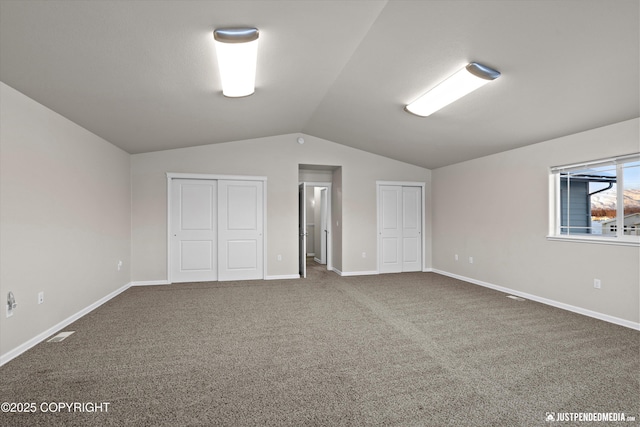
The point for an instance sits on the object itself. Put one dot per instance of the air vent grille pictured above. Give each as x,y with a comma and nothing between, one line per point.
60,337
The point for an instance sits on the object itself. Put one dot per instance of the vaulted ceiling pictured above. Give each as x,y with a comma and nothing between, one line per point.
143,74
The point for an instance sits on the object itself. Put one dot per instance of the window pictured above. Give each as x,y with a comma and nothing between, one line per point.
597,201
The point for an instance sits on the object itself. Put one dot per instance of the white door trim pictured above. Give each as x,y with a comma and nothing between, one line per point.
177,175
324,223
172,175
302,230
422,186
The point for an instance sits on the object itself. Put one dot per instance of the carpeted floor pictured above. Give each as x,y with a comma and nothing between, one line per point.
411,349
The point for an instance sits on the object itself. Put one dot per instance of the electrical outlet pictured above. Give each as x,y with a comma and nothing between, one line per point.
279,257
11,304
470,260
40,297
364,254
119,265
455,257
597,283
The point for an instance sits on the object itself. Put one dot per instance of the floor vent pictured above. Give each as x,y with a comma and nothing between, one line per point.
516,298
60,337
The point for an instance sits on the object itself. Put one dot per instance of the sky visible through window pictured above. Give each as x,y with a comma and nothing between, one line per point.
632,175
603,198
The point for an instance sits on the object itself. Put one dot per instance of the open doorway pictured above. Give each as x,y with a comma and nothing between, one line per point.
314,219
316,240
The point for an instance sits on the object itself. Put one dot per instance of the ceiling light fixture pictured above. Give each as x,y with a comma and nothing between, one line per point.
464,81
237,50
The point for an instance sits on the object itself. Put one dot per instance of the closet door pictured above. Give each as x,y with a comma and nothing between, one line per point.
399,228
193,236
240,230
390,228
411,229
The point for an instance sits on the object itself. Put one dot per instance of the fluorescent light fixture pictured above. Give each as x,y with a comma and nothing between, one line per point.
464,81
237,50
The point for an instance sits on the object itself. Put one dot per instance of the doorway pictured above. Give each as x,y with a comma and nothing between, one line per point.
314,220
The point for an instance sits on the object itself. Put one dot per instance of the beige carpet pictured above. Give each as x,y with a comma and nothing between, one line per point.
412,349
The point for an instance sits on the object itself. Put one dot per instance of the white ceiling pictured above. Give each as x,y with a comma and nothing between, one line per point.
143,74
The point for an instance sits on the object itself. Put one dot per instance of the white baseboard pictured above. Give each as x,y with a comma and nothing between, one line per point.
355,273
282,277
150,283
12,354
557,304
372,272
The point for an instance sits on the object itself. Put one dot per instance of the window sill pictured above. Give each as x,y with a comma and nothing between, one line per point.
596,240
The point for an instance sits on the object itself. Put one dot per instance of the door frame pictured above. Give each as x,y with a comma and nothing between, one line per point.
302,230
324,220
328,185
422,186
215,177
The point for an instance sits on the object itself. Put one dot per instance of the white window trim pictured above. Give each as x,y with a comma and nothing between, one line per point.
554,204
598,240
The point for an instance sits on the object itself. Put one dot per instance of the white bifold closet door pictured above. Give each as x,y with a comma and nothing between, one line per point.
400,229
216,230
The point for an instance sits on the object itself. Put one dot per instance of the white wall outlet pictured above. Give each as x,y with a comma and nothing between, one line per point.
279,257
11,304
470,260
119,265
597,283
364,254
40,297
455,257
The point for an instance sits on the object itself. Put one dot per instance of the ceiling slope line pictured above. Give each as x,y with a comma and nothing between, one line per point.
383,4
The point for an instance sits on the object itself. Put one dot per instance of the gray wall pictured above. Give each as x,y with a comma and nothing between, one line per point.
277,158
65,217
496,209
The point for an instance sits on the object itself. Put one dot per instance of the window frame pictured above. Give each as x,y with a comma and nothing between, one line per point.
555,220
